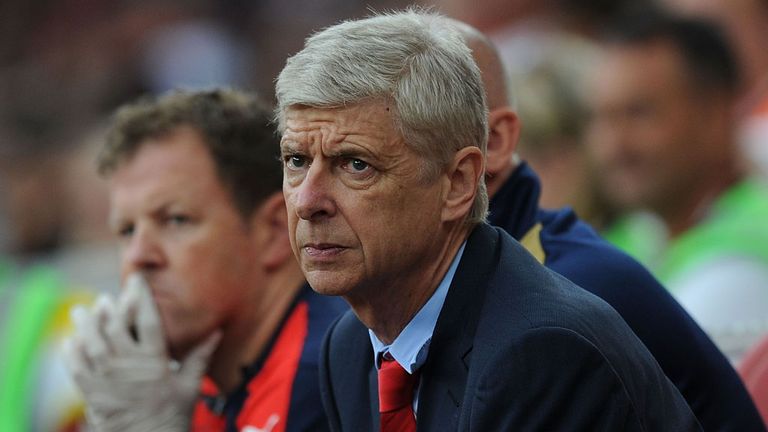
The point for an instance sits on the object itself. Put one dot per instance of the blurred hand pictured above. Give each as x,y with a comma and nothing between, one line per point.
118,358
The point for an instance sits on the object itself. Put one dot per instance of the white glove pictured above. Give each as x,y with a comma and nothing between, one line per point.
118,358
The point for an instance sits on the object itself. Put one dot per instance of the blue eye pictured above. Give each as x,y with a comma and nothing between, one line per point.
358,165
295,161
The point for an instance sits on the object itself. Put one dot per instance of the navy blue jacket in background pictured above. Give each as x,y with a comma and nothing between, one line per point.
686,355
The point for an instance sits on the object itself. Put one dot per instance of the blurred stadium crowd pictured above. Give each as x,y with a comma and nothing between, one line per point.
652,164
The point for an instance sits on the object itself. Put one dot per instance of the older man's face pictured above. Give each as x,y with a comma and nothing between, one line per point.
362,216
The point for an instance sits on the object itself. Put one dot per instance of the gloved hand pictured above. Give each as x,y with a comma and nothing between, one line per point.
118,358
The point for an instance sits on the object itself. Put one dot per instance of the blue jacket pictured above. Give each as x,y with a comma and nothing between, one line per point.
686,355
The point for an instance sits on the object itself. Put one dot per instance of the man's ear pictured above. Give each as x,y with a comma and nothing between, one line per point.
269,227
462,180
504,133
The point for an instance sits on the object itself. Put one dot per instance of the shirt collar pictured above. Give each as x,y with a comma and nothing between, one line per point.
411,346
515,205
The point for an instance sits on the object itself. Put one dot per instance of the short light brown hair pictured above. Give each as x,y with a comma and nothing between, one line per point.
235,127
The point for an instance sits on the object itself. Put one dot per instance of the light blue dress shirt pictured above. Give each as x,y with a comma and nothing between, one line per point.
411,346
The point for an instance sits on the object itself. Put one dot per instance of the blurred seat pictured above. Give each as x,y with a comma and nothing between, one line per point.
754,371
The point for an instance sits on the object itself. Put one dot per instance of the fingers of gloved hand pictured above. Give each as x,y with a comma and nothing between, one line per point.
91,338
94,386
127,303
148,322
118,329
194,365
137,309
104,313
74,358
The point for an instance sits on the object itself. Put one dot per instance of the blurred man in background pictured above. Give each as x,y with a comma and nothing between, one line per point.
745,23
664,137
563,243
38,288
549,50
195,198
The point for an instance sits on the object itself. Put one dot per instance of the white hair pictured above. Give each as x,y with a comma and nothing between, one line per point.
414,59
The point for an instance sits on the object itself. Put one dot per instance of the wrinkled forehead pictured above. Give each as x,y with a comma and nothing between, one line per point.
370,120
345,108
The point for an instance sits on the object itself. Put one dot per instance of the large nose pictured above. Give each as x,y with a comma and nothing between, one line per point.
313,199
143,252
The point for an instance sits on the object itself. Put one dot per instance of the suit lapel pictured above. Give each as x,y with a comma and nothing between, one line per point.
348,365
444,374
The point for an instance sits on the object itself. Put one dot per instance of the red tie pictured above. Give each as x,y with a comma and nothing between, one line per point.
396,389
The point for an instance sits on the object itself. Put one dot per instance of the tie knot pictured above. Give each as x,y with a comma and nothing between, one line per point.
396,386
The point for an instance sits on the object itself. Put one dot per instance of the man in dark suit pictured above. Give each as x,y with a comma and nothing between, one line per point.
454,326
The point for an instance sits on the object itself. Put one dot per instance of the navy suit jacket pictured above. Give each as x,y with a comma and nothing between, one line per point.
516,347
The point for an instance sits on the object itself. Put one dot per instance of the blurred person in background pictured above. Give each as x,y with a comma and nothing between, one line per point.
563,243
745,23
60,71
33,196
663,134
85,263
550,102
196,200
548,50
59,258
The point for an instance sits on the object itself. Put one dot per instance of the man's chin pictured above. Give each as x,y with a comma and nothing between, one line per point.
324,283
328,290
